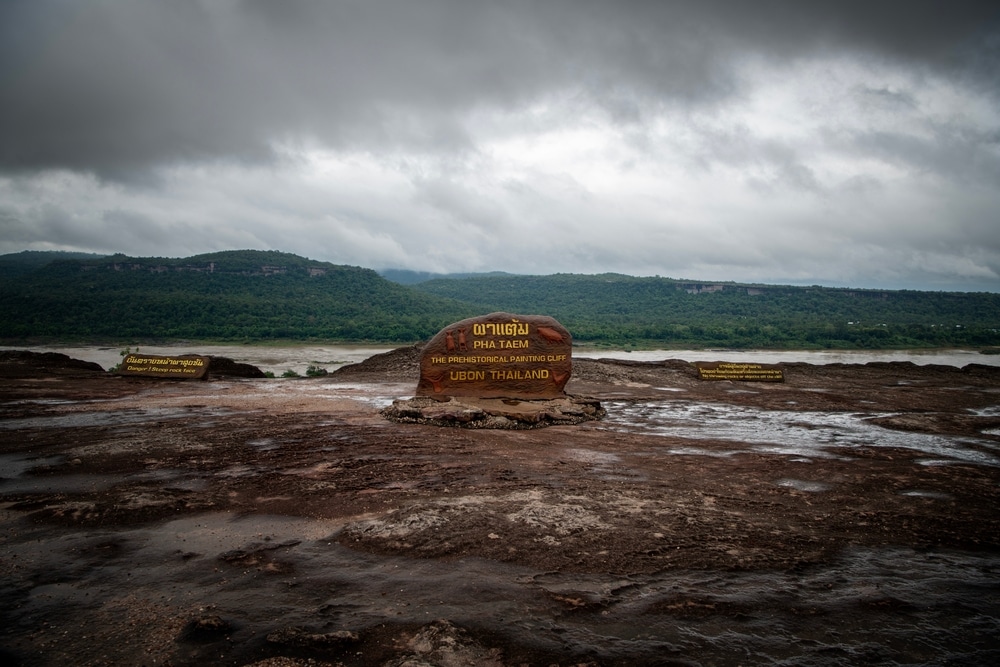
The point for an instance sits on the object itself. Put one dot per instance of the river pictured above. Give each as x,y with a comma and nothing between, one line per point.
279,359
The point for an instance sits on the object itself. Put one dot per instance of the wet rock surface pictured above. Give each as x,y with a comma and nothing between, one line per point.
848,515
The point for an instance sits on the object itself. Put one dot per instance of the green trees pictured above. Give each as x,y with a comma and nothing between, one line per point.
256,296
242,295
617,309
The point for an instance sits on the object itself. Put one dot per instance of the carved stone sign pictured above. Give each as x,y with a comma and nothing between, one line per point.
499,355
744,372
188,367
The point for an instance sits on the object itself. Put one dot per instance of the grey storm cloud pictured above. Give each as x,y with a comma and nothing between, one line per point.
112,86
842,142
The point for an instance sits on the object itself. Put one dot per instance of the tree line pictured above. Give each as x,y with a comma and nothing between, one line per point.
622,310
260,296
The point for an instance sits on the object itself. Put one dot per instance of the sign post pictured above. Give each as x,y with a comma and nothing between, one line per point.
721,370
188,367
499,355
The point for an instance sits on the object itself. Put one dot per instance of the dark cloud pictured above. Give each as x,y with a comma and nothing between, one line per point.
848,142
116,86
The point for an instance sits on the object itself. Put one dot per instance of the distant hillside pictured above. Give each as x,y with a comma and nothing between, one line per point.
256,295
616,308
19,263
234,295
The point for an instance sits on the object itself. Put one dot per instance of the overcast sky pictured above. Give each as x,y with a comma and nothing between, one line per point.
850,143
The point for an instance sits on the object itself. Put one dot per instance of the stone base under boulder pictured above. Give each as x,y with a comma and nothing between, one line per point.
501,413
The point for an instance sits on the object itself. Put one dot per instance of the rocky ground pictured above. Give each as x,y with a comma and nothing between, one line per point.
848,515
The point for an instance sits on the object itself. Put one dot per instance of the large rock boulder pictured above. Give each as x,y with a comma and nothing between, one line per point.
499,355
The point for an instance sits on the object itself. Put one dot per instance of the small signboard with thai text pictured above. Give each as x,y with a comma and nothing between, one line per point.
188,367
743,372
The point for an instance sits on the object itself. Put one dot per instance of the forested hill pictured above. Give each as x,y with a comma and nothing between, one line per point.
234,295
17,264
623,309
256,295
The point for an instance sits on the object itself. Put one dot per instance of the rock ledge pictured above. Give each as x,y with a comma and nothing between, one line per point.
499,413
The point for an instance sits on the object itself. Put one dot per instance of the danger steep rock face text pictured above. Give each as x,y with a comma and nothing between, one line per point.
159,366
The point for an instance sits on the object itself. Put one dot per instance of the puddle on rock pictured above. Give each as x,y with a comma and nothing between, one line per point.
15,465
795,433
918,493
804,485
263,444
